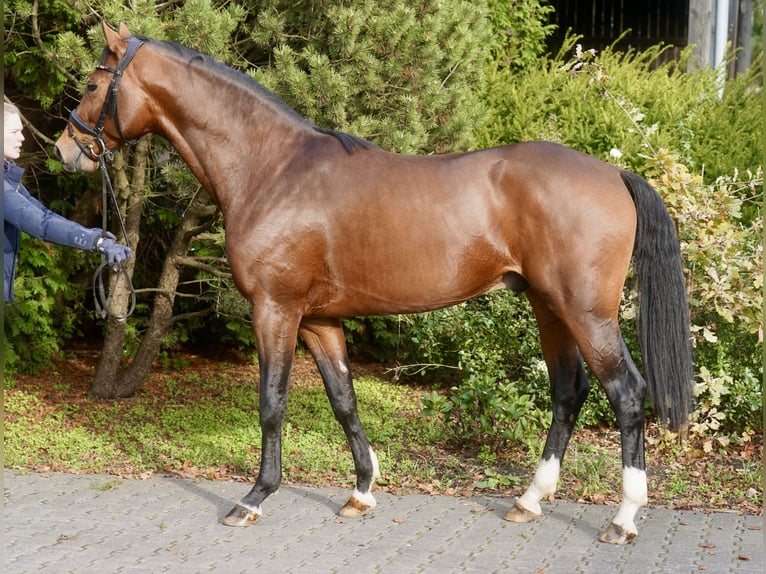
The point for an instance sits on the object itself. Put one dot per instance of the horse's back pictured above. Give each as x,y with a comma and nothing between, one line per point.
397,233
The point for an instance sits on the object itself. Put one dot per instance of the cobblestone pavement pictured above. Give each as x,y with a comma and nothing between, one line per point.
64,523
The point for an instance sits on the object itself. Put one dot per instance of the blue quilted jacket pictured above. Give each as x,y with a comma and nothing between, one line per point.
22,212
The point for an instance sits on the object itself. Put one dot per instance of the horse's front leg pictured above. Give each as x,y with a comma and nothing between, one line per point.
325,340
276,348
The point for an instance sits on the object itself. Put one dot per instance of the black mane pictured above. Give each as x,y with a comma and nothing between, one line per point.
351,143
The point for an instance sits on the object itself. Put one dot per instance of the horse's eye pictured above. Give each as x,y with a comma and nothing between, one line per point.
92,87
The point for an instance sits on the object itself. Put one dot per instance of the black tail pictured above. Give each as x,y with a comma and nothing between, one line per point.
663,319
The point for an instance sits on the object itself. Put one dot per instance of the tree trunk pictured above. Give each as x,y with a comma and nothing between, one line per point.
198,217
130,197
162,314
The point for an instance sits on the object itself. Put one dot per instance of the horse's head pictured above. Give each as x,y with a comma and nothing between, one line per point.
103,122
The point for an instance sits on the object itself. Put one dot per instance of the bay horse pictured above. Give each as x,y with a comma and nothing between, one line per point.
322,225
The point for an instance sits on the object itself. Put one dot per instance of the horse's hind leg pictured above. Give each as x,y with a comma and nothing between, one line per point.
626,390
607,356
324,338
569,389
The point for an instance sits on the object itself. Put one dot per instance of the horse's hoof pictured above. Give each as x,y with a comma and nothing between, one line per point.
520,514
241,516
354,508
615,534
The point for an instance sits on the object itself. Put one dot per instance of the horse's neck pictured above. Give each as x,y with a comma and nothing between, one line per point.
226,147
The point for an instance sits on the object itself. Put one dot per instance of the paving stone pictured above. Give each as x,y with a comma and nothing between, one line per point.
61,523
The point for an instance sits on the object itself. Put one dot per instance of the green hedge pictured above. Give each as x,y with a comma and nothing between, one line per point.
699,142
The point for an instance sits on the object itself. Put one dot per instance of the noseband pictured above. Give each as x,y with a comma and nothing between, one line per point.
109,109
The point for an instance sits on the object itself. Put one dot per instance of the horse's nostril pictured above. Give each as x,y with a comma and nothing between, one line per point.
57,152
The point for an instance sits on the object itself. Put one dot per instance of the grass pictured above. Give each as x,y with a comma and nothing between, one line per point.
202,421
212,424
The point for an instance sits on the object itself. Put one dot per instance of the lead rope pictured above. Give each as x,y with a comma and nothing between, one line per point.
101,297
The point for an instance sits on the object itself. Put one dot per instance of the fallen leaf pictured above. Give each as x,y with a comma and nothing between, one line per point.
743,557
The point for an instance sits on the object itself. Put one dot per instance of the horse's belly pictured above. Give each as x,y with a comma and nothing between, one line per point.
396,293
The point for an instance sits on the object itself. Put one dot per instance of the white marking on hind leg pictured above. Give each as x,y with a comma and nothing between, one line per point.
375,465
634,496
543,485
366,498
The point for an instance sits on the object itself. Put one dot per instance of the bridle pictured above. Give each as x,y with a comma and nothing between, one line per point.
101,298
108,109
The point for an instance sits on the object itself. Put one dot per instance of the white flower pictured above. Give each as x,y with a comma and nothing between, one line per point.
615,153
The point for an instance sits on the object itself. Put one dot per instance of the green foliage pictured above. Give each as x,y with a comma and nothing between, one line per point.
592,102
520,28
485,410
375,337
207,28
502,395
616,107
32,70
404,76
723,256
44,312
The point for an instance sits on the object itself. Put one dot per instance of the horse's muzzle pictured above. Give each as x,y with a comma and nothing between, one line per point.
72,158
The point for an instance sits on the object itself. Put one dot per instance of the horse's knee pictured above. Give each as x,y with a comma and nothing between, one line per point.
272,414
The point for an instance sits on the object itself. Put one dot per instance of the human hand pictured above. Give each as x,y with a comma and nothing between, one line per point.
115,252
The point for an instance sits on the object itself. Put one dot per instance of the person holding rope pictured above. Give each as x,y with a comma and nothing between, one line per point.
22,212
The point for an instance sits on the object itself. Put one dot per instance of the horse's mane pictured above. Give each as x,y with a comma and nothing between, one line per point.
350,142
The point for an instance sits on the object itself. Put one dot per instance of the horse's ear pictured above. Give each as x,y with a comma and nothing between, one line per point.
115,42
124,32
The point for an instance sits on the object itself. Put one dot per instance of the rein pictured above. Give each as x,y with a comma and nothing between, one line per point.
101,297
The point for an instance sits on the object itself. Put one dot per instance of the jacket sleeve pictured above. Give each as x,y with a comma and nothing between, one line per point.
32,217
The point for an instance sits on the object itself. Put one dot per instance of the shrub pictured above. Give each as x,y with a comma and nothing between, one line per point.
702,153
45,309
723,256
502,391
592,102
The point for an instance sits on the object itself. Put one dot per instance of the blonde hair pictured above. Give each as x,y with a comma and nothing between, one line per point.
10,109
